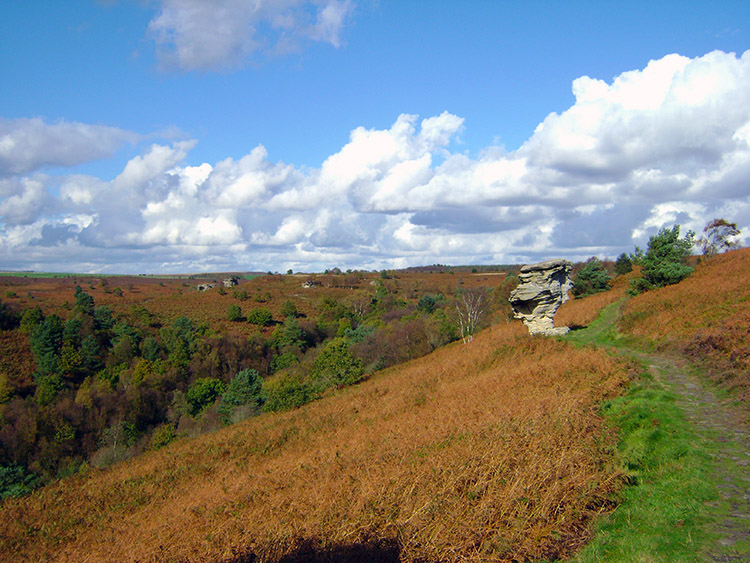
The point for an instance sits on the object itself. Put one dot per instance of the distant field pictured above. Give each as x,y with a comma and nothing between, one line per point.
45,274
244,276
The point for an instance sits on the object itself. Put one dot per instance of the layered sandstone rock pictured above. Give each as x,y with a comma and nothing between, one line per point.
542,288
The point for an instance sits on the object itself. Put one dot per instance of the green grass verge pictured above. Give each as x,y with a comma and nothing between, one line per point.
662,514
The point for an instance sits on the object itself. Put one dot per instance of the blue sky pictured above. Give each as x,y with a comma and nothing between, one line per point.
189,135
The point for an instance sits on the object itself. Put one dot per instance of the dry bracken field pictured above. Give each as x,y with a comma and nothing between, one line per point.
492,451
706,316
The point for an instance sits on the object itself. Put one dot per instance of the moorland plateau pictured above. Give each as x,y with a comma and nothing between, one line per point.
364,428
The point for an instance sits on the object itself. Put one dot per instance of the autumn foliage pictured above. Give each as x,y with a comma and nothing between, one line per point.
706,315
492,451
97,369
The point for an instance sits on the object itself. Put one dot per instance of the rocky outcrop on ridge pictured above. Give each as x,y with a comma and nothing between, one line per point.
542,288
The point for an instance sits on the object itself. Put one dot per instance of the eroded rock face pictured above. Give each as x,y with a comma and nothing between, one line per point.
542,288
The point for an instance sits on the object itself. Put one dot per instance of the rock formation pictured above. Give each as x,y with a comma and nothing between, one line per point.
542,288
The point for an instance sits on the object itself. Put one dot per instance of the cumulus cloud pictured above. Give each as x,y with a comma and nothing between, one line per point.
669,143
23,200
215,34
29,144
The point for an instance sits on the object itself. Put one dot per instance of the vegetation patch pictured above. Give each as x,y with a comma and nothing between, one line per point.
477,452
661,514
705,317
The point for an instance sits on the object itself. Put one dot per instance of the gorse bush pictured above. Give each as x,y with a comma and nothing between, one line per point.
163,435
289,309
286,392
260,316
234,313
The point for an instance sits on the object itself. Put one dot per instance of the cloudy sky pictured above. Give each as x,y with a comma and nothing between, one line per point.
165,136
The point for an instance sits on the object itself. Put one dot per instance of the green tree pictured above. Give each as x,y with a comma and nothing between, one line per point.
335,366
30,319
71,361
719,235
178,340
234,313
203,392
46,341
283,361
259,316
244,390
592,278
103,318
623,264
8,317
124,330
427,304
90,354
84,302
150,349
289,309
72,332
664,261
16,482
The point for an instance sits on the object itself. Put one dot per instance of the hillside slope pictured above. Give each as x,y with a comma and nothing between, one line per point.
488,451
706,317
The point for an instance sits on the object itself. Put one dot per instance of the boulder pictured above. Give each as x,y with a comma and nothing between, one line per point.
542,288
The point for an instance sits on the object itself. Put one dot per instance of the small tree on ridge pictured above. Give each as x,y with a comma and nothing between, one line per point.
718,236
663,263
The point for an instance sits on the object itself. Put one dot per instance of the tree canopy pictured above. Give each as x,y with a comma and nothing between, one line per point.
664,261
592,278
719,235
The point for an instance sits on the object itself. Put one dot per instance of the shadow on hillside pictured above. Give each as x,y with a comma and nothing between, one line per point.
381,551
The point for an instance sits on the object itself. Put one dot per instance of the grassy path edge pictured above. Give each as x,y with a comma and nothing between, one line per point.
663,512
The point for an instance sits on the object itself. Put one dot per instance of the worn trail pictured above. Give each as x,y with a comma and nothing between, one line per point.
717,423
728,440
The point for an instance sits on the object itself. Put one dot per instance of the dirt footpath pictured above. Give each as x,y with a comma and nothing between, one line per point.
718,423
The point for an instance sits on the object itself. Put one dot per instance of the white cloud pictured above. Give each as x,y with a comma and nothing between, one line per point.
142,169
22,200
29,144
666,144
330,20
215,34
